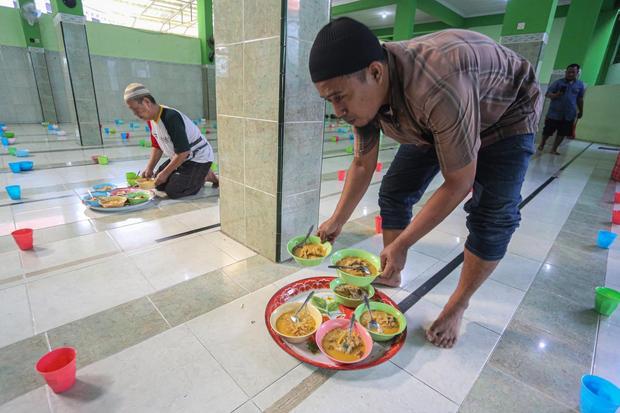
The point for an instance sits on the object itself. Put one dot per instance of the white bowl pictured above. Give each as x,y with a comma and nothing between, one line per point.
286,307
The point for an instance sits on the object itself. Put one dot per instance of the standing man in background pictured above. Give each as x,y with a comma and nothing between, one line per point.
566,107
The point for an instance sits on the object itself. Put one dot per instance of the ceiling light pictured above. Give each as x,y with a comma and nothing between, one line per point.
384,14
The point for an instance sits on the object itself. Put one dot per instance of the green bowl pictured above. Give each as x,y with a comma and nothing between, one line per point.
346,301
135,198
312,239
607,300
9,134
374,305
354,279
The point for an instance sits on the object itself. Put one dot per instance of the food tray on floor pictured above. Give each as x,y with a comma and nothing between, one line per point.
307,352
130,206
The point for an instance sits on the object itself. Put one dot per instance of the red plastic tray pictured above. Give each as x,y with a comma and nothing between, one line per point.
292,290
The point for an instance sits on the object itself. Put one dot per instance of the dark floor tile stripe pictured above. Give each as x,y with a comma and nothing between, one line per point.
17,361
301,392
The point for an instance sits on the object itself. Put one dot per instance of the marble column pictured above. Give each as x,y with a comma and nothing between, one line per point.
44,86
270,120
71,31
526,28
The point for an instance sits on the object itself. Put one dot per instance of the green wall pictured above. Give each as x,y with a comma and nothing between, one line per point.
118,41
108,40
600,107
537,14
11,32
494,32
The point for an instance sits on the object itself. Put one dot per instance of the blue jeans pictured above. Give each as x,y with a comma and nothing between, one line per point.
493,210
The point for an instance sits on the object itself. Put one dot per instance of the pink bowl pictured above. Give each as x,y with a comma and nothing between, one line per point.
328,326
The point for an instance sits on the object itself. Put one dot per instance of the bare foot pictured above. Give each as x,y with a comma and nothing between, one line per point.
445,330
393,281
555,152
540,148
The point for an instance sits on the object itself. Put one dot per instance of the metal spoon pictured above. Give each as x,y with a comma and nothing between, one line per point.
345,343
372,325
303,242
294,317
361,268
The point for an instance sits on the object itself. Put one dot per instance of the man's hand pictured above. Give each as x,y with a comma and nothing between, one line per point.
147,173
579,115
329,230
393,259
161,178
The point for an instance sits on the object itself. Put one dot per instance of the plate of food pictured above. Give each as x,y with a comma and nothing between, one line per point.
319,345
105,187
120,202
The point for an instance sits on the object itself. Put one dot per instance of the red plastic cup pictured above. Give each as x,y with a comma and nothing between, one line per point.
23,238
341,174
378,224
379,166
58,368
615,218
617,198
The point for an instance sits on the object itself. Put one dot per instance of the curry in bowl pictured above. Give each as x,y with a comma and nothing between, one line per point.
338,344
357,262
309,251
388,322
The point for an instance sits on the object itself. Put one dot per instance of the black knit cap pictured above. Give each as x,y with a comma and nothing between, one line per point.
342,47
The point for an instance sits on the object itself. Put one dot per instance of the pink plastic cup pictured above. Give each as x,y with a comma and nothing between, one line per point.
58,368
342,174
379,166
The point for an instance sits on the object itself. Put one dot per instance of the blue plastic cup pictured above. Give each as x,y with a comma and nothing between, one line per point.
15,167
14,191
598,395
146,129
605,239
106,130
124,135
5,141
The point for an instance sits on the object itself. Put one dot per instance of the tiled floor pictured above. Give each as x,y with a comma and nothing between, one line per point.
178,325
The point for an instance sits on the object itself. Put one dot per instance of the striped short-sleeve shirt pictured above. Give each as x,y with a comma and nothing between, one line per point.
456,90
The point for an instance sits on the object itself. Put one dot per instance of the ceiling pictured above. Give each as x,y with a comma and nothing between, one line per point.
179,16
167,16
467,8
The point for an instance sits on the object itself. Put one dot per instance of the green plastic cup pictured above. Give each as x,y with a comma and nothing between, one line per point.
214,166
13,151
141,142
376,306
606,301
360,281
308,262
131,178
349,149
103,160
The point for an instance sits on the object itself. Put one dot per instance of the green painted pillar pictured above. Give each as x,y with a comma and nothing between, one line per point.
526,28
601,40
207,53
404,19
36,53
578,30
77,69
